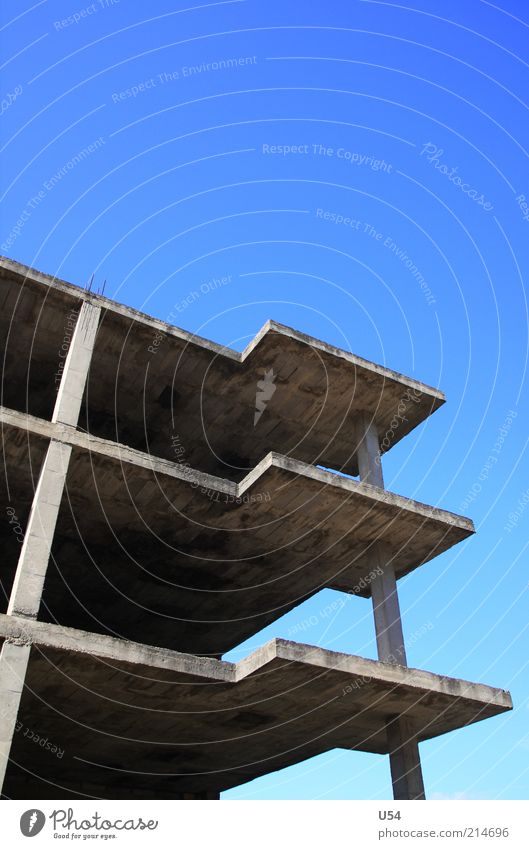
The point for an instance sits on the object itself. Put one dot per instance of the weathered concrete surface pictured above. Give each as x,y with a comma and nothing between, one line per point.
13,664
142,549
404,759
77,363
135,721
151,382
32,564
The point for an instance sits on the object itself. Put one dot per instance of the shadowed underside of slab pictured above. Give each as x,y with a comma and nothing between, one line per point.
150,382
149,553
133,721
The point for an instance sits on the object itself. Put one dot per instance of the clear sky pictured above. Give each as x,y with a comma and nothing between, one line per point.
161,148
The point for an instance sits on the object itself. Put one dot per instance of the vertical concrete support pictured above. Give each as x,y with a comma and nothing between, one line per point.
386,608
35,553
71,389
405,764
34,556
368,452
13,665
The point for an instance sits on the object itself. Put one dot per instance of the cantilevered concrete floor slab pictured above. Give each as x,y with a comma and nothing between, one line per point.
147,547
151,382
135,721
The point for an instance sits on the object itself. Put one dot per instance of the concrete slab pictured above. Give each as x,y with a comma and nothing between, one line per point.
198,563
151,383
134,721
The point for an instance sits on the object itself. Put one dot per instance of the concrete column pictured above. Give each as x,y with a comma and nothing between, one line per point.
386,608
404,760
405,764
13,665
71,389
28,585
35,553
368,452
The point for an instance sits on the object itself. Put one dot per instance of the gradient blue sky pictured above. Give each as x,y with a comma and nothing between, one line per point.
179,190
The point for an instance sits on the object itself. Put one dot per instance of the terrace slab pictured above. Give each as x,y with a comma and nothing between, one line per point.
151,383
135,721
147,547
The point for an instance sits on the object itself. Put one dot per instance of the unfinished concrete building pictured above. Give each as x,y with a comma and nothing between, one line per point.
156,516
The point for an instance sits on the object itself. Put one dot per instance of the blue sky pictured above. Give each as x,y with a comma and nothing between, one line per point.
162,148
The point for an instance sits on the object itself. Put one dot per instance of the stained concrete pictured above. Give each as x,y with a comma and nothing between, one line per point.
140,722
149,550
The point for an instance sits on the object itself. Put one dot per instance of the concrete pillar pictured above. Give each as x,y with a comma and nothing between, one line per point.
35,553
368,452
13,664
71,389
405,763
404,760
28,585
386,608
